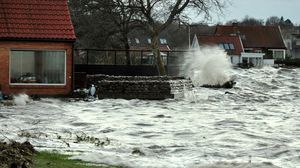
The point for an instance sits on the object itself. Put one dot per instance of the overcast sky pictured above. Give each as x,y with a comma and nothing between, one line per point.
261,9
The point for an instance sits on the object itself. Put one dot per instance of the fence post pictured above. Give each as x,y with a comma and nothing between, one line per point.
87,57
142,57
168,54
115,57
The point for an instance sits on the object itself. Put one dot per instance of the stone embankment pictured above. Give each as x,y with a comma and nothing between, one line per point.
138,87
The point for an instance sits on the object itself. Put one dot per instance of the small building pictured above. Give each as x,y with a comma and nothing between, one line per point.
144,44
265,40
36,44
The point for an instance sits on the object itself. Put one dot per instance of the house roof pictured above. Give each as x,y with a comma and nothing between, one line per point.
35,20
217,39
255,36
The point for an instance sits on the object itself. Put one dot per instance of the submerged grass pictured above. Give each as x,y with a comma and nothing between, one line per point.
55,160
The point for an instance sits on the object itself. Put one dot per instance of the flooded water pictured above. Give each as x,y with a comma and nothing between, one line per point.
255,124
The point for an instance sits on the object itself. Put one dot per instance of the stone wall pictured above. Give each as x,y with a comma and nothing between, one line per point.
137,87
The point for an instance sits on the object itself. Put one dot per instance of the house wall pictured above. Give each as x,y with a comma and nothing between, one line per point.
235,59
268,61
296,53
6,46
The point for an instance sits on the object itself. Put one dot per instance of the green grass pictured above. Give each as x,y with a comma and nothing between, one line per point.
54,160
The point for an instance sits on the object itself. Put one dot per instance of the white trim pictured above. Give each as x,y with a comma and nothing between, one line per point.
241,42
37,84
284,51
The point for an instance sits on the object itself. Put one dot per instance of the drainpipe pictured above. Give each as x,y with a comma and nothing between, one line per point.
73,69
1,95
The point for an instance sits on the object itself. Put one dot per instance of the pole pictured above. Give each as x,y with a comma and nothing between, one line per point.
189,34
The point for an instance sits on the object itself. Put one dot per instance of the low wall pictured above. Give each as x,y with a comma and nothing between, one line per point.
137,87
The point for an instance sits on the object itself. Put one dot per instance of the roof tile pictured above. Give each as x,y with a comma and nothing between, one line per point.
35,19
255,36
217,39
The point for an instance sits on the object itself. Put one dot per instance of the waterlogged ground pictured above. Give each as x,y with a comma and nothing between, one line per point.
256,125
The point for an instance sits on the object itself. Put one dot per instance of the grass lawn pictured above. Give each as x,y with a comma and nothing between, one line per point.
54,160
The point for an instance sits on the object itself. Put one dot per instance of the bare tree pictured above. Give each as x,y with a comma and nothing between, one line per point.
249,21
157,15
121,14
273,20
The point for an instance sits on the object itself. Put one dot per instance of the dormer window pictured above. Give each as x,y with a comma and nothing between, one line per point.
149,40
227,46
163,41
137,41
231,46
221,46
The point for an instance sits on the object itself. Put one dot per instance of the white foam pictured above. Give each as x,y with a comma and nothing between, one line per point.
21,99
208,65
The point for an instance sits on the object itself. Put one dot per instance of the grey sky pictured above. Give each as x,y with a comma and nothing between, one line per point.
261,9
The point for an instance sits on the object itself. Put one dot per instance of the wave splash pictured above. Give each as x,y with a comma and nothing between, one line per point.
207,66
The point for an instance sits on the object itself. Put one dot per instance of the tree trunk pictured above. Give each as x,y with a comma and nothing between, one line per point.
156,53
128,60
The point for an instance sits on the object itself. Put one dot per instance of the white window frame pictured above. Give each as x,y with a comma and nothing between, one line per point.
37,84
273,51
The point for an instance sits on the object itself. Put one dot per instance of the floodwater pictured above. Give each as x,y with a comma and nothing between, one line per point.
255,124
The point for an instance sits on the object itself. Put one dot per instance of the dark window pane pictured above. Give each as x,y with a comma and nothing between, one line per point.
226,46
37,67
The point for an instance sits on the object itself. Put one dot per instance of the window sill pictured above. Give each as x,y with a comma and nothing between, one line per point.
37,86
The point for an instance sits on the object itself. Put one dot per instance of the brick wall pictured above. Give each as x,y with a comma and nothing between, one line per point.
6,46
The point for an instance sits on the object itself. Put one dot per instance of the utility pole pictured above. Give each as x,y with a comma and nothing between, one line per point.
189,35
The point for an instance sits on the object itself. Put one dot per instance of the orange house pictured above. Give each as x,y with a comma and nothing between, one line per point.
36,44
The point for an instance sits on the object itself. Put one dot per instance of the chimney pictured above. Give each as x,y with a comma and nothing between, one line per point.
234,24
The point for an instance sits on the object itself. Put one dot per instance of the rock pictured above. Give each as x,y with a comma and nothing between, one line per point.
15,154
227,85
137,151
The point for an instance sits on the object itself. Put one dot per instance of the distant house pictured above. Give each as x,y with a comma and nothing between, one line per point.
231,44
36,43
266,40
144,44
295,46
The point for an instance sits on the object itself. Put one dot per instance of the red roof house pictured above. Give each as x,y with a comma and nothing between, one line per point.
231,44
36,43
143,45
265,39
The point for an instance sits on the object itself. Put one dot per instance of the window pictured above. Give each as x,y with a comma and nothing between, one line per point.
278,54
258,51
149,40
163,41
221,46
137,41
37,67
231,46
226,46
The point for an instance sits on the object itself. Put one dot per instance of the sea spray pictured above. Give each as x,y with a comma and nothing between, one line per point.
206,66
21,99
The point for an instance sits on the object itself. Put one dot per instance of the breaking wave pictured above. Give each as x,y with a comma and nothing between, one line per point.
207,66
